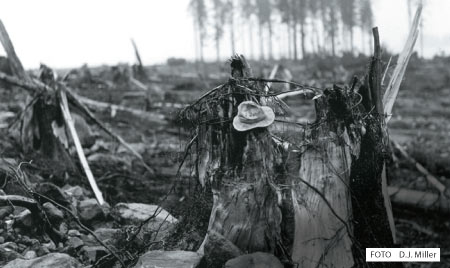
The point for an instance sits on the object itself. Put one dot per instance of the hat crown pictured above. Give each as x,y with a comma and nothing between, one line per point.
250,112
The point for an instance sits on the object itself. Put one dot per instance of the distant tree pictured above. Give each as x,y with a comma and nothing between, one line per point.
330,22
365,20
300,12
348,18
263,11
314,8
220,8
230,11
283,8
247,11
198,11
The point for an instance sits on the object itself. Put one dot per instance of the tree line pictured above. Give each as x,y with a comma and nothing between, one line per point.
300,28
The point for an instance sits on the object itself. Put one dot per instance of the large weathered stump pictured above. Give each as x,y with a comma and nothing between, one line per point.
316,214
240,168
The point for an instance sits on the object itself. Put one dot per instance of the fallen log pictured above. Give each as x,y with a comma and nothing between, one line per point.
430,178
150,117
414,199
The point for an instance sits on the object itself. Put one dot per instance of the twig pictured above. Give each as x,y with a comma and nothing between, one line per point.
419,228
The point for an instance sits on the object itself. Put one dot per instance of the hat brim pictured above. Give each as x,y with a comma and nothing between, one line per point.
270,117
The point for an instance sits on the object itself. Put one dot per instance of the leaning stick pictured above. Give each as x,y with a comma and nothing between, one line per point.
430,178
88,113
15,63
70,124
272,76
397,76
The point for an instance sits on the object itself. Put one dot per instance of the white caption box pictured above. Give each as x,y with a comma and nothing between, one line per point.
403,254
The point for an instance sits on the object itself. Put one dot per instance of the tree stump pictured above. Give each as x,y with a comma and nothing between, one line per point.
325,212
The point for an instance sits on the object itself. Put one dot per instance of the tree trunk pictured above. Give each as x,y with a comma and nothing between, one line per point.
303,36
232,39
269,26
294,30
252,44
261,42
289,39
217,49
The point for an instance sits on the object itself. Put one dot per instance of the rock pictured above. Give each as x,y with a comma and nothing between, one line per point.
135,213
169,259
93,253
254,260
30,254
218,250
54,192
5,211
105,234
90,210
24,219
74,243
74,191
53,213
7,255
10,246
50,246
74,232
89,240
53,260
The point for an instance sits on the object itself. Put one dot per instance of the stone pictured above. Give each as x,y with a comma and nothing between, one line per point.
53,213
24,219
93,253
218,250
74,232
106,234
52,260
54,192
169,259
5,211
254,260
90,210
7,255
76,192
30,254
50,246
10,246
74,243
135,213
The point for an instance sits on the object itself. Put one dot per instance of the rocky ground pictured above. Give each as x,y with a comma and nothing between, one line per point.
154,219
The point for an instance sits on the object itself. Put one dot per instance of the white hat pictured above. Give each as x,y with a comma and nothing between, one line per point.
250,115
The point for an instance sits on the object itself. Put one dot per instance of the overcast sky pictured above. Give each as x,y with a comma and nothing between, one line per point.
68,33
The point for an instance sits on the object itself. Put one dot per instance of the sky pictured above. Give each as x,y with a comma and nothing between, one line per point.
69,33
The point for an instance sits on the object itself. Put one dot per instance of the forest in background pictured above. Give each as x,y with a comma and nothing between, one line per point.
289,29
